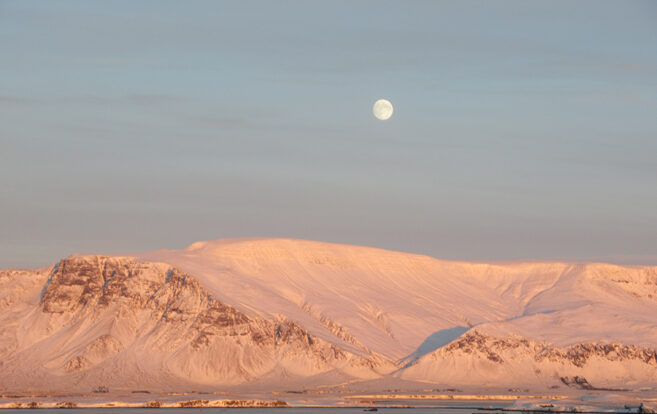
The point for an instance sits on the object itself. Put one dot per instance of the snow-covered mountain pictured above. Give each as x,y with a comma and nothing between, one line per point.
276,312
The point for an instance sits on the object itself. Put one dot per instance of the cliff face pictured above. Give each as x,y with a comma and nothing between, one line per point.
111,320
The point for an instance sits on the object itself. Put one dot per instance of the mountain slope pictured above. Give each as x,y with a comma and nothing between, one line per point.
118,322
395,301
392,301
476,359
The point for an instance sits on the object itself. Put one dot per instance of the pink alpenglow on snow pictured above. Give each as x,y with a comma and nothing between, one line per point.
256,314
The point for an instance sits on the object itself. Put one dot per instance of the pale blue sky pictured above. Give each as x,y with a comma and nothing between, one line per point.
522,130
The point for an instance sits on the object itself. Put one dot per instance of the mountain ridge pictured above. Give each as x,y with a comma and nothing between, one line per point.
299,309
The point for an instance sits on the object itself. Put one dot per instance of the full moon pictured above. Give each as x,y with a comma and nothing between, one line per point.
382,109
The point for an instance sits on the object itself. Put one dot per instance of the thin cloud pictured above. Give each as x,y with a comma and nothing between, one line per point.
137,99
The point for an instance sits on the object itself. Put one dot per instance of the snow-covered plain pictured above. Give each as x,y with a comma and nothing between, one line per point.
274,314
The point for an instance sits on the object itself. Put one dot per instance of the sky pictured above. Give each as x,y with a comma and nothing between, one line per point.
522,130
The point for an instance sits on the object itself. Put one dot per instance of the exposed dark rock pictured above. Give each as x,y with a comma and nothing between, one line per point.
578,355
577,382
582,384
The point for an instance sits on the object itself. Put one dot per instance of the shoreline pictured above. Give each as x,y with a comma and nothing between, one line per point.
475,402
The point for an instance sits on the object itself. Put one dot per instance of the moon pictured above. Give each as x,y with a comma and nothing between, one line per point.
382,109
